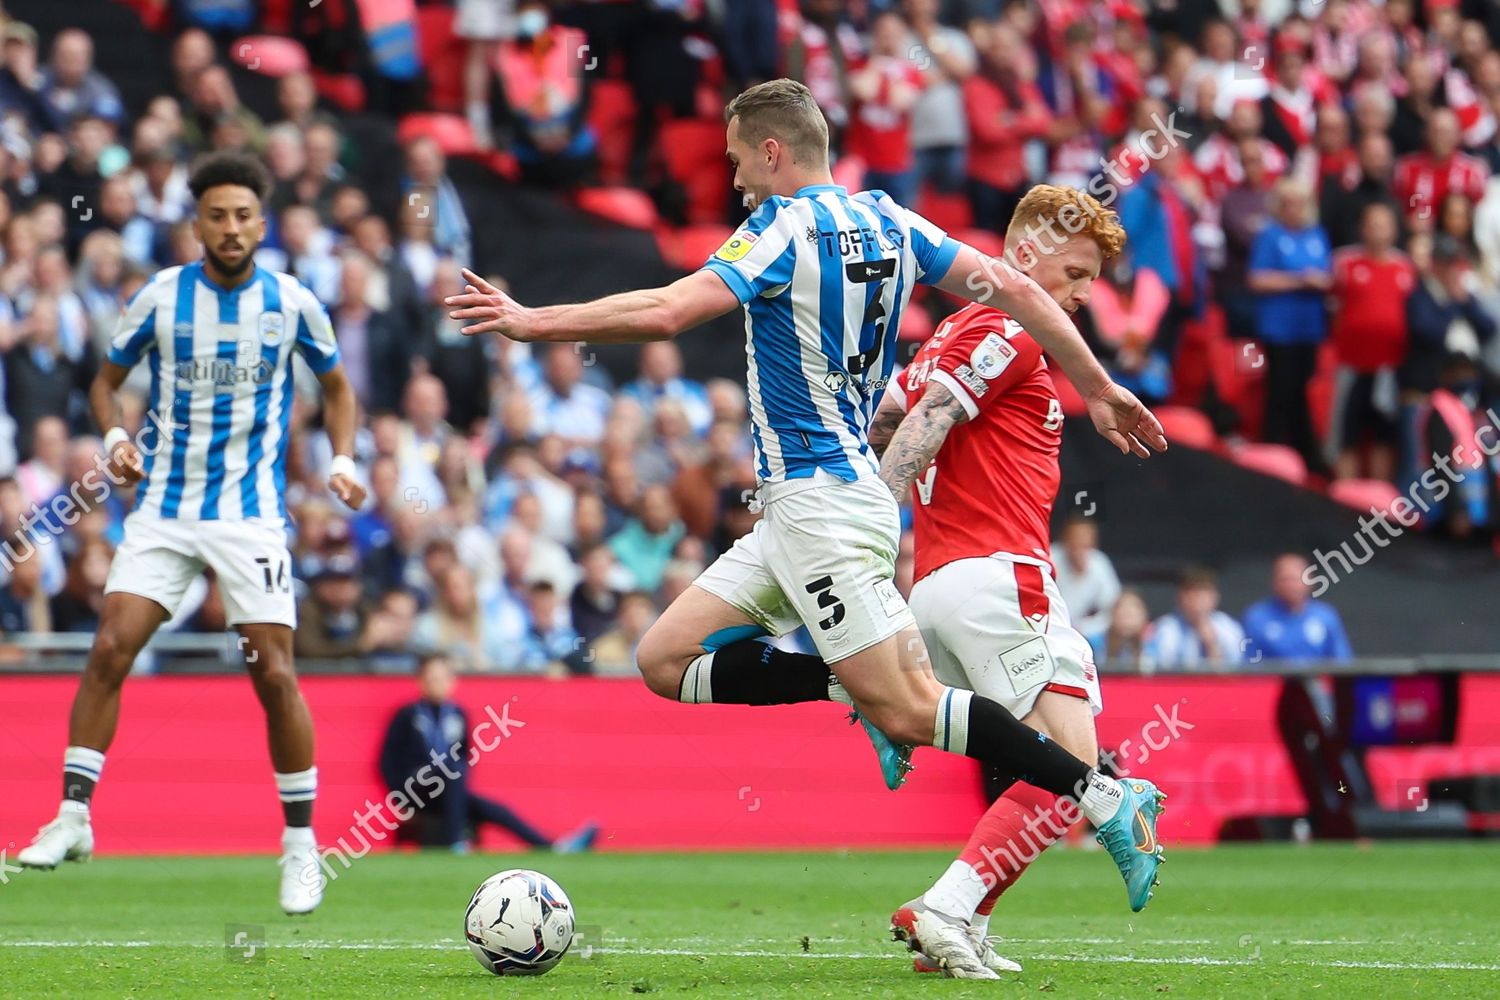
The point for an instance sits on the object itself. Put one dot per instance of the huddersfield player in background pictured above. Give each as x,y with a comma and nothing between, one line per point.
823,276
975,425
219,336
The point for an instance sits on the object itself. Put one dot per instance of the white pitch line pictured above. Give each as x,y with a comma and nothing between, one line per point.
823,955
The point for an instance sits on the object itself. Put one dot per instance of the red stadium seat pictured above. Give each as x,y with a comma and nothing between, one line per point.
612,117
451,132
270,55
1273,460
694,153
1363,494
344,89
624,205
1187,427
688,247
949,212
443,54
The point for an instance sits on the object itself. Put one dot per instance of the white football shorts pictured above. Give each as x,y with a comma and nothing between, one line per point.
823,555
998,627
160,557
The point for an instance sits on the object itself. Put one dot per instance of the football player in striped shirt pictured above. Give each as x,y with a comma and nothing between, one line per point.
823,276
218,336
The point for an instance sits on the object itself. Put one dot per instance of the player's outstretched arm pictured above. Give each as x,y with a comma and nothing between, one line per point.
627,318
1116,413
918,438
340,418
104,400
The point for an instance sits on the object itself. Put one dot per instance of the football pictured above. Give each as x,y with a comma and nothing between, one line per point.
519,923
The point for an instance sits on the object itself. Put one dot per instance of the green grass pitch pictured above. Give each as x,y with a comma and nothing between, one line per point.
1393,920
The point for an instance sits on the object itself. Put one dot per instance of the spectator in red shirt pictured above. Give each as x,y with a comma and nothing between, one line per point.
885,87
1425,178
1371,283
1005,110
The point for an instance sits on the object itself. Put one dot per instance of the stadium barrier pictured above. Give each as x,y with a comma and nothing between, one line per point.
189,773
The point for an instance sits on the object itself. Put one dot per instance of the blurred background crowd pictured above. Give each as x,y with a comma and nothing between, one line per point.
1312,283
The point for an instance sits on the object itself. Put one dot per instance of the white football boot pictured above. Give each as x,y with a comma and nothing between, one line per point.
67,838
984,947
302,877
941,938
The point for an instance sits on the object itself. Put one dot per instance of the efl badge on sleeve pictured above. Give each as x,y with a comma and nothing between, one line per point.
736,247
992,356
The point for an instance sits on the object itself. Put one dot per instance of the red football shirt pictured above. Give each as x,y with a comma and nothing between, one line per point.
991,487
1369,331
1421,182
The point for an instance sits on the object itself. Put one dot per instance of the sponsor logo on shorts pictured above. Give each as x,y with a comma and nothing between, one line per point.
890,599
1028,665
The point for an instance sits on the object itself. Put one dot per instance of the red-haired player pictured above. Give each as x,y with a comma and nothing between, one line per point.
974,424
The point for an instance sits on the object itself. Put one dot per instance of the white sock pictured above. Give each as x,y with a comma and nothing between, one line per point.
981,923
837,693
298,836
697,682
1101,798
957,892
72,809
951,727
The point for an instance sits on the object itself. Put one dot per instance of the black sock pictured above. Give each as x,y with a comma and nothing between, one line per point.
750,672
82,767
77,788
984,730
297,813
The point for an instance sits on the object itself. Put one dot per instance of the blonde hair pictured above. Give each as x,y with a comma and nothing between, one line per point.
1078,213
783,110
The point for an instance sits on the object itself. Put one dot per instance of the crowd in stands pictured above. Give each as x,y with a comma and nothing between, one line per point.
1311,186
1287,624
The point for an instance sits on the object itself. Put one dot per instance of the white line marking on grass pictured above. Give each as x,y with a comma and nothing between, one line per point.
766,953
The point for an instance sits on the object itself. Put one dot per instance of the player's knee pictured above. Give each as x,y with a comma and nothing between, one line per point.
111,658
660,662
273,678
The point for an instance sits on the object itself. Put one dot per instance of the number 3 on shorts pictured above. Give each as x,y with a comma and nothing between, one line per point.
828,601
277,580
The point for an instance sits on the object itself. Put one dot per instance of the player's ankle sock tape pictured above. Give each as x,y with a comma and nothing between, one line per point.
749,672
1101,798
82,767
957,891
297,790
984,730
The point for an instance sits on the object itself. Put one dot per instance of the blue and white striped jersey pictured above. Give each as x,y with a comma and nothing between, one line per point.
824,276
221,388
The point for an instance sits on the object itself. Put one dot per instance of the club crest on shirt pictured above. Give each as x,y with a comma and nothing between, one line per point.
736,247
992,356
272,326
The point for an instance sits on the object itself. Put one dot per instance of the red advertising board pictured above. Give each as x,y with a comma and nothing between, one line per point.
189,772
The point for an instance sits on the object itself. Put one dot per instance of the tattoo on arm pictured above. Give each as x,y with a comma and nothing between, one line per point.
917,440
